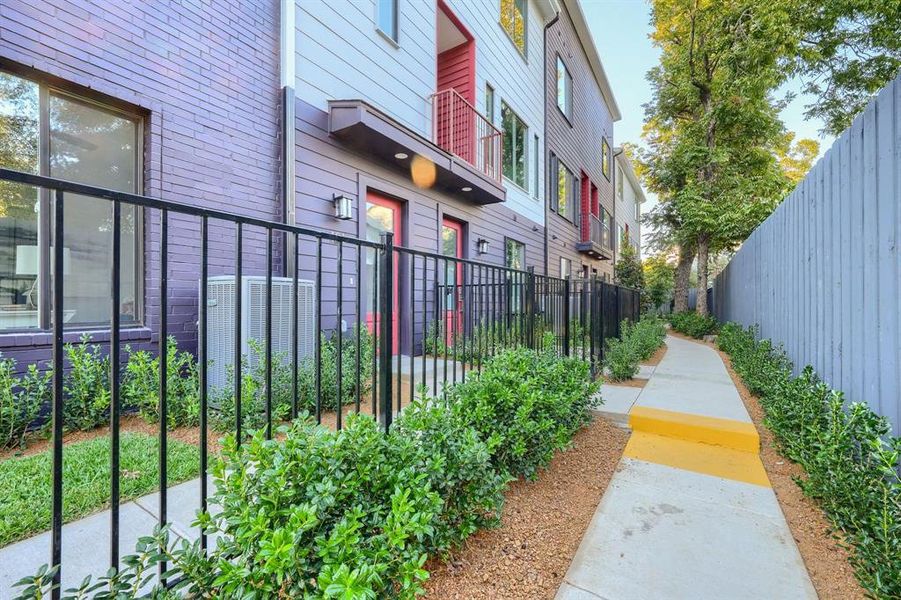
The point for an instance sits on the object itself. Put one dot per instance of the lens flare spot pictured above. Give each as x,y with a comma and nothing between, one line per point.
422,170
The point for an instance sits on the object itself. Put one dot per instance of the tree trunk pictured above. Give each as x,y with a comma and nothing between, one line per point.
703,247
683,271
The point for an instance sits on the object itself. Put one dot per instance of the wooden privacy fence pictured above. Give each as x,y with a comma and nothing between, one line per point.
822,274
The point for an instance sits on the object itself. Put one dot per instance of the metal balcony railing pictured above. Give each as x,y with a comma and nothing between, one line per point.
460,129
598,232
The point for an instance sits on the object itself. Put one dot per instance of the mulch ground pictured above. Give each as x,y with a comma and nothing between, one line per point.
541,527
825,557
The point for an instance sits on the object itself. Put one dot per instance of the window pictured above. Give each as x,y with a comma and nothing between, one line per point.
56,134
514,20
516,140
514,254
566,268
489,103
564,192
637,210
605,158
564,89
608,229
386,17
536,154
619,182
621,237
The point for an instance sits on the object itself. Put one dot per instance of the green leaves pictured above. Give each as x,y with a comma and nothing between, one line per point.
852,464
693,324
637,342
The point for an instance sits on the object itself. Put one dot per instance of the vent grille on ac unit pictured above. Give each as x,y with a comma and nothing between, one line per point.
221,321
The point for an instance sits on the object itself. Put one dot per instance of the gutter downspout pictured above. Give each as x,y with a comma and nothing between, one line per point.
287,77
616,242
547,180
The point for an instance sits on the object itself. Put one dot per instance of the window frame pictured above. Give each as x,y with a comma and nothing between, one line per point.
567,109
490,101
525,144
524,51
571,189
46,89
566,273
605,158
620,183
394,39
536,166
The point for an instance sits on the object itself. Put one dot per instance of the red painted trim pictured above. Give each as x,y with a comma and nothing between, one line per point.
470,88
397,208
454,318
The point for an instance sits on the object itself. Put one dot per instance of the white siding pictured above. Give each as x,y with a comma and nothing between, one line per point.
341,55
516,80
625,208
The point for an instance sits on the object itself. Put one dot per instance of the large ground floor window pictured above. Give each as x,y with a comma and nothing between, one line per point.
50,132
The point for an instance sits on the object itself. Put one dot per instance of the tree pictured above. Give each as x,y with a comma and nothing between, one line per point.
847,50
627,270
796,158
658,281
712,126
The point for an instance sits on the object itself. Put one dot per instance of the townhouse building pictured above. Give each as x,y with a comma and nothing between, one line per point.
629,198
580,112
442,121
174,100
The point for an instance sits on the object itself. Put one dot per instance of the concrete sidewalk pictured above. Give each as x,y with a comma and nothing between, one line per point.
690,512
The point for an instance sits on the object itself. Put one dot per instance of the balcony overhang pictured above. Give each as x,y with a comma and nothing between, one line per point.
595,250
363,127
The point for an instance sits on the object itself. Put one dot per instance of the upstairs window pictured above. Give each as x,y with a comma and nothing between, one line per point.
386,17
620,176
514,15
489,103
605,158
564,89
564,191
516,147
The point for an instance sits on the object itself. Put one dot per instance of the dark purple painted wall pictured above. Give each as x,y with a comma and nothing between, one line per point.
206,73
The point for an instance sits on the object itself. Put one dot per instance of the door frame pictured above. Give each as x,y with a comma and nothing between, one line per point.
397,206
454,323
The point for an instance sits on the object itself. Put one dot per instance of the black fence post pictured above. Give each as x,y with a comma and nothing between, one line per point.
566,317
618,311
386,324
530,307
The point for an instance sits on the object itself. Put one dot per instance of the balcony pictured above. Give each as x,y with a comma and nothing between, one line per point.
376,134
458,128
597,239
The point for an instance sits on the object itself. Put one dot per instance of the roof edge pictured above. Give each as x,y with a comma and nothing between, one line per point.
574,7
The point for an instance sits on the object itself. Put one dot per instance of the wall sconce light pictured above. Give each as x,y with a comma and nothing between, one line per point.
482,246
343,207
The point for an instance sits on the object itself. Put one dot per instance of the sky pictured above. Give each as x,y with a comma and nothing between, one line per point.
620,29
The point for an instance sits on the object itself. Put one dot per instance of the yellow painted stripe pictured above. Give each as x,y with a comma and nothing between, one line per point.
699,458
727,433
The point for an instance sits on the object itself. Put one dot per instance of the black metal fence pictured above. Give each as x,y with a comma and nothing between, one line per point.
370,325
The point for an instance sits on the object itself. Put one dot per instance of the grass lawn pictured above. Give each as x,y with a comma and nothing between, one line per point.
25,483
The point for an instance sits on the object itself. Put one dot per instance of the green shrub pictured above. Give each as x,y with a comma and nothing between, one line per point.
637,342
525,405
851,461
693,324
141,385
86,386
355,513
20,401
329,371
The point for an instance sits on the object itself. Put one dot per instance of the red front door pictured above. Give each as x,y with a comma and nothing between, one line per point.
383,214
452,245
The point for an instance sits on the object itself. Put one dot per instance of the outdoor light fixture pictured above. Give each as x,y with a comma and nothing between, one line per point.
401,155
482,246
343,207
466,189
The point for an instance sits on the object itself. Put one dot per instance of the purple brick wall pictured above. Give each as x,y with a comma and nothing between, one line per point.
206,73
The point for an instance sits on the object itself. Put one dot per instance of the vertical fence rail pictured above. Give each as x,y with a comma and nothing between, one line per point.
421,321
